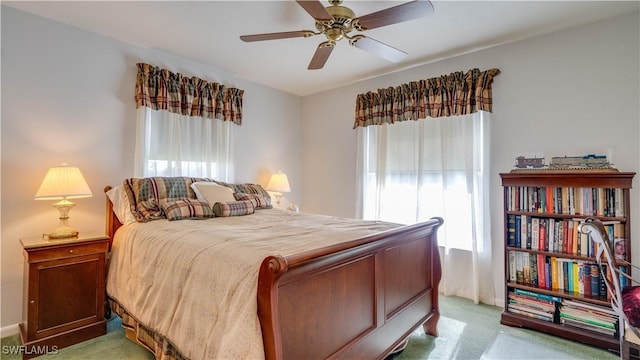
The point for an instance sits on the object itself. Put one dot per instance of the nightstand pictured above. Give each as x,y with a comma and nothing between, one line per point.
64,292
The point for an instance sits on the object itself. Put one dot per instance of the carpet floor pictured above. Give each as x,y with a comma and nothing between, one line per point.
466,331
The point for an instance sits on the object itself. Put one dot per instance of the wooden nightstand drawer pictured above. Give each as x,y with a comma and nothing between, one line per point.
67,250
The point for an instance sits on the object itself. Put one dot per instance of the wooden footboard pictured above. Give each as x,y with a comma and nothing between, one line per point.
359,299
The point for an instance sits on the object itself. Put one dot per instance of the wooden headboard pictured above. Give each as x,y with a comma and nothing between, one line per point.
112,222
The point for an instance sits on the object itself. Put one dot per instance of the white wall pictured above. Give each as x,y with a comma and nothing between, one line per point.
68,96
568,93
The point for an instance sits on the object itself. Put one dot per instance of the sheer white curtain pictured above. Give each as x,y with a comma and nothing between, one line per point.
411,171
170,144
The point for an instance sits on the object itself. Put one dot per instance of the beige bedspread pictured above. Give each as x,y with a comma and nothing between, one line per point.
195,281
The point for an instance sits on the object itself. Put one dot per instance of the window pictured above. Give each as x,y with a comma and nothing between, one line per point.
170,144
414,170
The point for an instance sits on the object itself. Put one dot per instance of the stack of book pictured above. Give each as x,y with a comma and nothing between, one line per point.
592,317
534,305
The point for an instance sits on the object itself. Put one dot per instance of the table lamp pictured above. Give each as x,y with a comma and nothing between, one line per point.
278,184
63,183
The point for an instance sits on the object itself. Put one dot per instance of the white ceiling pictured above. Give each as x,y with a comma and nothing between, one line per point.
208,32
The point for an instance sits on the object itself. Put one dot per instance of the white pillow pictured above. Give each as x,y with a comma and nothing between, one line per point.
121,205
212,192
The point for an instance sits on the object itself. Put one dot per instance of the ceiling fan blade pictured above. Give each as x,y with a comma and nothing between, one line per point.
377,48
403,12
321,55
277,35
315,9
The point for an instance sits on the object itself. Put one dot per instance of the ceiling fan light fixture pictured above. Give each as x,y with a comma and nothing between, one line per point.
334,34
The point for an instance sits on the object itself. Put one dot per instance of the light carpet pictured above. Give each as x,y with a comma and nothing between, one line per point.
505,346
466,331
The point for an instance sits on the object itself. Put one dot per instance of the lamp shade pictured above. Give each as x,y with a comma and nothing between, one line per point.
63,182
279,182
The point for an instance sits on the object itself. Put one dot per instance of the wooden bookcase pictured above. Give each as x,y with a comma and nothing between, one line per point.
560,199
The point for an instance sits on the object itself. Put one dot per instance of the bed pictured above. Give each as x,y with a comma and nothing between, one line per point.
286,286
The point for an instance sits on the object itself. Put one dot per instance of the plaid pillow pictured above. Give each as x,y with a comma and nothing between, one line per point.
251,189
146,194
259,201
237,208
187,209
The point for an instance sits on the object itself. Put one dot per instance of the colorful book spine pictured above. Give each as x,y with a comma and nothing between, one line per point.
538,295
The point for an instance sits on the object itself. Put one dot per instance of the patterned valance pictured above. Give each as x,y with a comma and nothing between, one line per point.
161,89
448,95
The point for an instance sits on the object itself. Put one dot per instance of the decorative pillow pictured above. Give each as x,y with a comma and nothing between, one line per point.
146,194
235,208
631,304
259,201
187,209
212,192
121,206
250,189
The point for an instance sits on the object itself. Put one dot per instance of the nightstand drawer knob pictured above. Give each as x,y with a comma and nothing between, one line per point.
32,302
71,251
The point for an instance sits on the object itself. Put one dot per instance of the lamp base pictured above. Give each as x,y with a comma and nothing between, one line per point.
278,196
63,231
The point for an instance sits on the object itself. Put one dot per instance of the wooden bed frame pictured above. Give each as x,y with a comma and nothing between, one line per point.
359,299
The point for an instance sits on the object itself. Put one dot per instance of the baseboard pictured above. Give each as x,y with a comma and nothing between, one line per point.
9,330
499,302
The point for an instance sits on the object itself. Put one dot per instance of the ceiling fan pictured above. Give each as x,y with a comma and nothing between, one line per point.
336,22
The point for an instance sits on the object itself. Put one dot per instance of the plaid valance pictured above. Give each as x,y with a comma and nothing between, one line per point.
161,89
448,95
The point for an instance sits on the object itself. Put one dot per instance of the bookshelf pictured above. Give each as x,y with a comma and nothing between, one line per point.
551,281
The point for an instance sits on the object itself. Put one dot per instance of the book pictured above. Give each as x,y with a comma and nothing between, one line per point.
618,203
526,313
511,230
595,280
519,268
512,267
579,304
567,275
538,295
562,279
542,234
575,237
530,310
517,231
533,260
526,268
547,272
619,242
588,321
554,273
586,278
549,199
534,301
525,222
535,228
578,284
582,325
542,276
551,238
580,275
561,245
